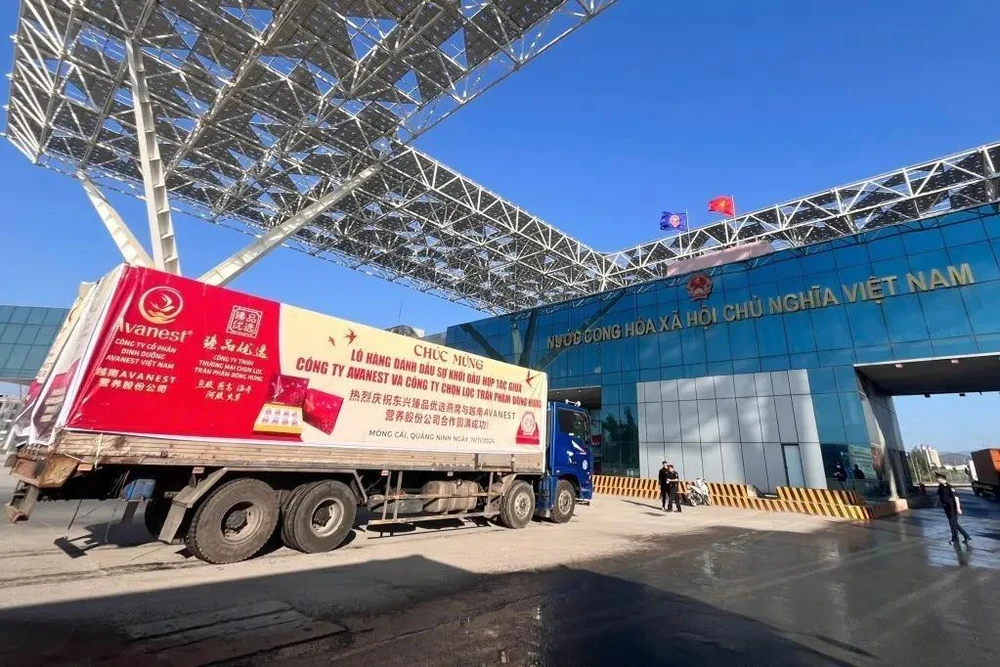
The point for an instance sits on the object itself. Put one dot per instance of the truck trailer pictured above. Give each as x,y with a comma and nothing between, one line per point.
984,468
240,418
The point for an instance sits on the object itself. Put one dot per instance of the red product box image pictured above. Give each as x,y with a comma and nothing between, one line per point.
321,410
287,390
527,430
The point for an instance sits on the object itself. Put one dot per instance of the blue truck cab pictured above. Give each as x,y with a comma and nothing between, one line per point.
569,463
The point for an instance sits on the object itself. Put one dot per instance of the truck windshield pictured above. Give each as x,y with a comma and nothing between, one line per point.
575,424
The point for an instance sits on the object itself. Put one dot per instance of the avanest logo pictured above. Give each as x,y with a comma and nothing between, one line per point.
161,305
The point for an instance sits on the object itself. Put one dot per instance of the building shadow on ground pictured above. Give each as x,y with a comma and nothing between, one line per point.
440,615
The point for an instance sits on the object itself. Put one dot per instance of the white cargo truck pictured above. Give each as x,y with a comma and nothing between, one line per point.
240,417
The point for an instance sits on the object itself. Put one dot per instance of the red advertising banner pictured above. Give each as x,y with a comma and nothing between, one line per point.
180,359
52,394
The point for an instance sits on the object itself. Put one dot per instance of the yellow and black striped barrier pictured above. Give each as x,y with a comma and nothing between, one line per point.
822,496
632,487
728,490
816,502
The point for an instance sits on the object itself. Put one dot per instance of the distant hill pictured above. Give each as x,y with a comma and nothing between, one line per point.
954,458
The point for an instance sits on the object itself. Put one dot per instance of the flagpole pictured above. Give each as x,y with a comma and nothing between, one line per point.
687,226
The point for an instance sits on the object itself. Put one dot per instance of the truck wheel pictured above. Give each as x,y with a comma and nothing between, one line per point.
234,522
518,506
562,510
287,511
155,515
322,516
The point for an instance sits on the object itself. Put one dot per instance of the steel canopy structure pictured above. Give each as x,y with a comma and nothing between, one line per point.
291,120
252,112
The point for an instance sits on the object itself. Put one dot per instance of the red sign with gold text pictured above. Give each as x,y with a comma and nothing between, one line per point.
180,359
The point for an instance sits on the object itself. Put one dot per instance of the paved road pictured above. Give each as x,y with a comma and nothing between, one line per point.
893,593
623,584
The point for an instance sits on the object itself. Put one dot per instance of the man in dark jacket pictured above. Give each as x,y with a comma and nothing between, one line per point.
840,475
952,508
669,481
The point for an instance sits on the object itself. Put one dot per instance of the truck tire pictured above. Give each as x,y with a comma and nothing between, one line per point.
234,522
518,506
562,508
322,517
287,510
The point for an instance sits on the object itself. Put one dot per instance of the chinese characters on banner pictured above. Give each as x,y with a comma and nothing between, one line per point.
178,359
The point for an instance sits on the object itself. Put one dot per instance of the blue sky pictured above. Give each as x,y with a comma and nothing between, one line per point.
654,105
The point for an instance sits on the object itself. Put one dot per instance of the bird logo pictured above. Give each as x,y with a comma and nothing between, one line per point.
531,378
332,340
161,305
350,336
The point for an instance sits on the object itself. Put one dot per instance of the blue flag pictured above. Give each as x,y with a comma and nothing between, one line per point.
673,222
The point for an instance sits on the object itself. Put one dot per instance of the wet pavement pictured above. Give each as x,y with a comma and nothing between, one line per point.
892,593
768,590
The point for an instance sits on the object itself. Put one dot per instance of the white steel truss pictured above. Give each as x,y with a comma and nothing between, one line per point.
262,107
132,251
266,109
244,259
951,183
161,226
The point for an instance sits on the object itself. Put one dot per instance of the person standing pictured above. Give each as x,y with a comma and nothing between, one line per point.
664,486
952,508
669,483
840,475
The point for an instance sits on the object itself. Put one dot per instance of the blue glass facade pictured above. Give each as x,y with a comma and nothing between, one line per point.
802,317
26,334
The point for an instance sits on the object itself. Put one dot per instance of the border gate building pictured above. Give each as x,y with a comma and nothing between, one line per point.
771,370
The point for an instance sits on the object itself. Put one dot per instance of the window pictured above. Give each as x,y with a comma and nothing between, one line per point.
829,418
852,255
36,316
944,313
693,346
867,324
574,424
743,339
28,333
981,258
980,302
789,268
963,233
771,336
20,314
799,332
885,248
829,326
925,262
928,239
904,318
11,333
717,343
55,316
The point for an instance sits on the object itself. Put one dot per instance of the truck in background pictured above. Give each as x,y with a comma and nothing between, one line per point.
237,417
984,468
